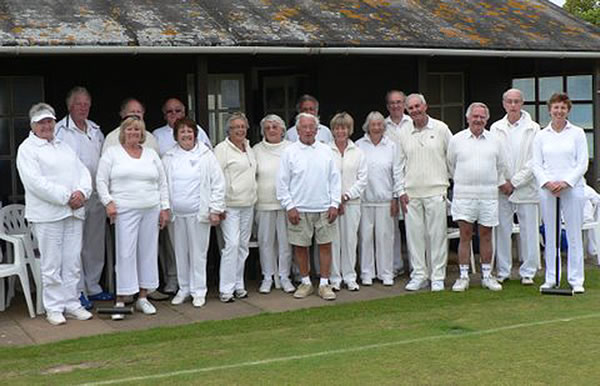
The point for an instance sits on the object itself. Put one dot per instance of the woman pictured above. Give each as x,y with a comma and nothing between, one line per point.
379,205
274,249
197,195
132,186
560,160
239,167
351,162
56,186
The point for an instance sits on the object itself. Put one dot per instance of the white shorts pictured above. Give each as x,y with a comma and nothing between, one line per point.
485,212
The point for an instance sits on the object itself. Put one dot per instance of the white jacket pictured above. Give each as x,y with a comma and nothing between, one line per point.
268,158
51,172
353,169
239,169
520,173
205,191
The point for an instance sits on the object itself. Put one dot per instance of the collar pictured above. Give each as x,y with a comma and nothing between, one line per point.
405,119
37,141
484,134
349,145
384,139
568,126
231,144
304,146
428,126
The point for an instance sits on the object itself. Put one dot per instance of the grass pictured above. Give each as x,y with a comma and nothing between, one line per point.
438,338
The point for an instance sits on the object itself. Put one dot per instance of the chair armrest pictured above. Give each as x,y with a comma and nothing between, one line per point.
9,238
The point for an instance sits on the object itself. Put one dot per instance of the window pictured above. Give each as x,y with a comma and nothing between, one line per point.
445,98
280,94
225,96
537,90
17,94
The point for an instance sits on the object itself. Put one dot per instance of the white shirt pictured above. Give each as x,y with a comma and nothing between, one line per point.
131,182
476,164
394,130
268,158
112,139
87,145
165,139
560,156
196,182
383,183
239,168
51,172
323,134
308,179
353,170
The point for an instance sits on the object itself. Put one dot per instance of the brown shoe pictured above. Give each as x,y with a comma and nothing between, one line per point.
326,292
157,295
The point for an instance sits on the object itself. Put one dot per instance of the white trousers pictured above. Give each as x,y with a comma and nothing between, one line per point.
236,228
93,248
398,261
136,236
274,249
166,256
60,250
377,242
343,247
571,204
190,241
426,234
528,237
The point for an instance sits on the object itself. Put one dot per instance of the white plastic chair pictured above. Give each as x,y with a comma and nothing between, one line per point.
592,228
17,228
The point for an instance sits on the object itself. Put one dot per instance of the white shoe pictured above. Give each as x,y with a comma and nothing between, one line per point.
367,282
527,281
79,314
388,282
578,289
336,286
145,306
461,284
240,293
547,285
416,284
437,285
502,279
265,286
180,298
491,283
55,318
198,301
352,286
287,286
226,298
118,316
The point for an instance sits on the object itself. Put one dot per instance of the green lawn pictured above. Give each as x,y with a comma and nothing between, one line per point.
515,336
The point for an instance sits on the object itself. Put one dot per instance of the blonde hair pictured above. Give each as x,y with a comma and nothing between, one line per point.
342,119
129,122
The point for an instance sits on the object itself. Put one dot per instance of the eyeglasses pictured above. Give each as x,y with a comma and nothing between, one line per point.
174,111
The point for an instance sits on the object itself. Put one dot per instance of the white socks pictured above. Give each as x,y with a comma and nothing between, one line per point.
486,270
464,271
324,281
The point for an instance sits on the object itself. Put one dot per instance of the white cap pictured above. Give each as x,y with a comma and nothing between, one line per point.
42,114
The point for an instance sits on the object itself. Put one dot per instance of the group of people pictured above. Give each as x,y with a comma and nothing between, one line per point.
306,186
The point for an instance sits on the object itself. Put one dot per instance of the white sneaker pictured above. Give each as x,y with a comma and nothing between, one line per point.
287,286
336,286
352,286
547,285
388,282
199,301
461,284
226,298
578,289
265,286
180,298
55,318
491,283
240,293
437,285
502,279
527,281
145,306
118,316
416,284
79,314
367,282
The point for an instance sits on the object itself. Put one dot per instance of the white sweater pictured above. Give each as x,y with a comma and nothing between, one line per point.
112,139
196,182
353,169
130,182
51,172
268,157
239,169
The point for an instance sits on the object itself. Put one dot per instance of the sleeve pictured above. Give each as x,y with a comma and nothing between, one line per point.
335,184
216,202
103,178
283,182
220,154
525,174
202,137
581,159
402,171
84,184
152,142
397,173
359,186
538,161
34,180
501,163
163,187
451,157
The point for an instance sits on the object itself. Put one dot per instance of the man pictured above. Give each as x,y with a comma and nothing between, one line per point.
174,110
423,149
476,163
518,194
396,123
130,107
308,104
85,138
309,188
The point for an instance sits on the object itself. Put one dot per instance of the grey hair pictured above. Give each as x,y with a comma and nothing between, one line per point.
36,108
421,98
272,118
477,104
511,90
75,91
387,95
307,97
235,116
307,115
372,116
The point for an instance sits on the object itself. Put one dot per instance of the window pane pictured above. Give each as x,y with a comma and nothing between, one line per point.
4,136
549,86
6,185
434,96
230,94
22,129
579,87
531,110
434,112
27,91
582,115
275,98
453,117
527,86
453,88
4,97
589,136
543,116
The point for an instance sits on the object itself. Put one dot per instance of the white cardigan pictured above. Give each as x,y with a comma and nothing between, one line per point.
268,157
51,172
353,169
201,195
239,169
